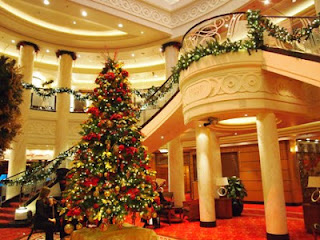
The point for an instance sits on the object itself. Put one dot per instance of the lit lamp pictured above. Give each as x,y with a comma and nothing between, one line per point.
221,183
314,182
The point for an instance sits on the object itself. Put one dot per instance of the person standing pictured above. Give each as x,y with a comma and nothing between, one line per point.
44,218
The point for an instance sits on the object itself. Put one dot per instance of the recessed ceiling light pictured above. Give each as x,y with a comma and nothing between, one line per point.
78,55
47,50
84,13
293,0
120,25
246,115
132,54
46,2
299,140
74,22
308,139
142,32
160,49
266,2
155,75
226,25
317,140
13,41
235,133
162,137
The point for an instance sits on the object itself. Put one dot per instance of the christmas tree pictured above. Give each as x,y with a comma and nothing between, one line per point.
110,177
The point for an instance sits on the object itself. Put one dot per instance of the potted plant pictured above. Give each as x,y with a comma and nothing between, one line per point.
236,191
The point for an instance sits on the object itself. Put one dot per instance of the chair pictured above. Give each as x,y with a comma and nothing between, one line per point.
34,229
191,210
168,211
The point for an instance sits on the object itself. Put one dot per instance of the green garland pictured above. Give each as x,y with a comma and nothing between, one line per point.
147,94
40,172
49,92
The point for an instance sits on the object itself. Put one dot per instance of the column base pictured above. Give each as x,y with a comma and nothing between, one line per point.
208,224
277,236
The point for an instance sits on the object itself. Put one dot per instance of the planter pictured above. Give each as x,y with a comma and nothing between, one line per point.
237,207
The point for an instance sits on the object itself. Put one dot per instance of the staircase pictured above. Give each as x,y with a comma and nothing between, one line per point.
7,213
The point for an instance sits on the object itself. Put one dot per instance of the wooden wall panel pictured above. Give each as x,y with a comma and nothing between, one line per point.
250,171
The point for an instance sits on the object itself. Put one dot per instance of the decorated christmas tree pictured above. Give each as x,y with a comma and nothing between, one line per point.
110,177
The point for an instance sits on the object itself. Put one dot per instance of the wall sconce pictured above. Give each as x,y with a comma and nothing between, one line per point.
314,182
221,183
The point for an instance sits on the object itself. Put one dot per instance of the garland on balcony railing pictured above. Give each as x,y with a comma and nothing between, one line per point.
40,172
147,94
257,24
49,92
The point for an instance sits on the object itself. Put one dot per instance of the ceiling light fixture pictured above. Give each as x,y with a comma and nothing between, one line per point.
120,25
226,25
308,139
294,1
84,13
266,2
47,50
162,137
74,22
46,2
78,55
132,54
13,41
142,32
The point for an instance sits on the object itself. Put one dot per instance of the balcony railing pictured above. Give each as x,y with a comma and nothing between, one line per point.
235,27
43,104
157,101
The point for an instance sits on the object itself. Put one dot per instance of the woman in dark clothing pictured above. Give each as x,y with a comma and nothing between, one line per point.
44,218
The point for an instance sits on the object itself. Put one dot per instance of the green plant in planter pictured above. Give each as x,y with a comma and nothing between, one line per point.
236,191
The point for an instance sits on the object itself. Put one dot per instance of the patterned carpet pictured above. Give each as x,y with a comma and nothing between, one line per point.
250,226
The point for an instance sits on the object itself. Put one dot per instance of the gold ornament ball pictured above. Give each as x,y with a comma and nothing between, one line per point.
116,149
109,154
79,226
96,193
110,123
154,215
106,174
146,205
143,185
117,188
69,206
68,229
108,210
107,193
91,220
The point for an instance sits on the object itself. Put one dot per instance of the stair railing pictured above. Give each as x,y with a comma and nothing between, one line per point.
31,181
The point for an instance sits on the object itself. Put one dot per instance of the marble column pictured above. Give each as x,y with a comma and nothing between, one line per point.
171,54
176,171
63,105
272,182
205,177
17,162
216,157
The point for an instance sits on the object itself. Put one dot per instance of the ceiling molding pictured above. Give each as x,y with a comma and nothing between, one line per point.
157,17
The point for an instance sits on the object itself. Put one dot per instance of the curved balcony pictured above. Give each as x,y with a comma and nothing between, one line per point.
265,77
